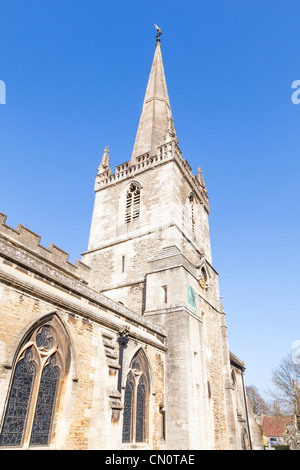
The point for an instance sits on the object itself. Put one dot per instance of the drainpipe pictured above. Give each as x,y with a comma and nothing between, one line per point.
122,340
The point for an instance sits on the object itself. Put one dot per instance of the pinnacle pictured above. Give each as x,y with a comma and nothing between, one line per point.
104,165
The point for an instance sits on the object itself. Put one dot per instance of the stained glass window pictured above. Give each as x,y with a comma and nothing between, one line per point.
136,400
44,339
31,402
17,407
45,404
128,406
140,410
135,364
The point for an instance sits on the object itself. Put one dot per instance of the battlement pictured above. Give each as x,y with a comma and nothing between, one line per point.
30,241
166,152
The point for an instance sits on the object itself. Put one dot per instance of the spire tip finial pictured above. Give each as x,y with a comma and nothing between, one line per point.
159,33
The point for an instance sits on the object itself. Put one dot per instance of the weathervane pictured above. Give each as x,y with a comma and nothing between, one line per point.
159,33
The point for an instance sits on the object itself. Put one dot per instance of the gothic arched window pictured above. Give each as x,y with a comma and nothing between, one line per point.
128,408
132,209
136,401
38,369
192,210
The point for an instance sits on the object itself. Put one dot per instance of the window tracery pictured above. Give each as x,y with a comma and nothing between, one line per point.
39,365
135,415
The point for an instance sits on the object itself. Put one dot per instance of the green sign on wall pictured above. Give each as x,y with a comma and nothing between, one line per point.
191,298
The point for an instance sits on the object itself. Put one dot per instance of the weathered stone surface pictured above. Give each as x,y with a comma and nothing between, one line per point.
145,283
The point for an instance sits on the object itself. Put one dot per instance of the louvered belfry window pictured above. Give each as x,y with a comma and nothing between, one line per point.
132,209
192,202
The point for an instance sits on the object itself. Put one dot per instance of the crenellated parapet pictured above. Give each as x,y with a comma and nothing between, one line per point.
29,241
167,152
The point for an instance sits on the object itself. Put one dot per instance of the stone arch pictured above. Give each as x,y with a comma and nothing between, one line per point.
25,332
40,365
137,399
128,361
131,201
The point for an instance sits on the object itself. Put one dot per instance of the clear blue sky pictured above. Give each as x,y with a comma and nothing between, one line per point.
76,73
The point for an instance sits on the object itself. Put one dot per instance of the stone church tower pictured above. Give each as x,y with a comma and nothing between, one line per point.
149,249
127,348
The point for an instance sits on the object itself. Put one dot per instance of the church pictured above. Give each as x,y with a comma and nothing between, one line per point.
127,348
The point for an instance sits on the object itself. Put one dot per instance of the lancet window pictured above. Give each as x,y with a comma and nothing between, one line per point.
192,210
136,401
132,209
38,370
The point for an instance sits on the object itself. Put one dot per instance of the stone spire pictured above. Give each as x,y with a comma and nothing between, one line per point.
156,125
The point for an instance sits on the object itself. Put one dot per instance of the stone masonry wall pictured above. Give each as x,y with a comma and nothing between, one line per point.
89,409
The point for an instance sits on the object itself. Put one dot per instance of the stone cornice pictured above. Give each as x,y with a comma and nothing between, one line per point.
179,308
140,329
65,290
